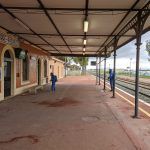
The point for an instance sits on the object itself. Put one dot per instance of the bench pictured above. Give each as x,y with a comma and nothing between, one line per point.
33,90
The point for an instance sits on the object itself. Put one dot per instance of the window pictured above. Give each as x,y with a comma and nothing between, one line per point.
25,69
45,68
93,63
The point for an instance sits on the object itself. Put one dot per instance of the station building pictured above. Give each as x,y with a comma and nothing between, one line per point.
23,66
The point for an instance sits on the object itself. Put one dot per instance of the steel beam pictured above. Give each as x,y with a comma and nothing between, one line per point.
137,1
138,44
96,70
75,35
105,69
99,70
10,32
51,20
75,55
132,23
69,45
73,9
65,67
114,69
14,17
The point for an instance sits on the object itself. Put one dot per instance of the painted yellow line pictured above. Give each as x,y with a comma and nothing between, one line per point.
142,110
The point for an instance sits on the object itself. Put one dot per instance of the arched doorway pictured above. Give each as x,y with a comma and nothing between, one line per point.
39,71
8,63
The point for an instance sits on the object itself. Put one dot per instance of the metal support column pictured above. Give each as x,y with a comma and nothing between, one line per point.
99,70
96,70
105,69
138,43
114,69
65,67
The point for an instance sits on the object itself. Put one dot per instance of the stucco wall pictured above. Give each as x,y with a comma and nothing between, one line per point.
53,65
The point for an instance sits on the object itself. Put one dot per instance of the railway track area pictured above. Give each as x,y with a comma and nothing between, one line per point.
129,86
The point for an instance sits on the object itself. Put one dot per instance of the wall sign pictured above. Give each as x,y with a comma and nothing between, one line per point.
6,38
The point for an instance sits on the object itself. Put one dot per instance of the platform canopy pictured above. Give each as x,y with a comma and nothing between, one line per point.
57,26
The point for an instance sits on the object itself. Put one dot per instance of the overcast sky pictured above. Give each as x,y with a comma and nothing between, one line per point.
129,51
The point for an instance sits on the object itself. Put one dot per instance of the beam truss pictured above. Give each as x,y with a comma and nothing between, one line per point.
14,17
76,55
131,24
8,31
137,1
75,9
77,35
99,71
145,11
51,20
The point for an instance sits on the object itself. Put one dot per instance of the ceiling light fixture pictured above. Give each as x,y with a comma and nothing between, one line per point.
22,24
83,53
84,42
86,25
84,49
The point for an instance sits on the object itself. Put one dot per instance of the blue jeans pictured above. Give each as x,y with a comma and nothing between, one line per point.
111,84
53,87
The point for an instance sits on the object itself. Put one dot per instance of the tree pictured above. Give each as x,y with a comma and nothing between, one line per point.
83,61
148,48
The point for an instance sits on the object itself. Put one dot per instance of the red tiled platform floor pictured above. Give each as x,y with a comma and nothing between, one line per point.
77,117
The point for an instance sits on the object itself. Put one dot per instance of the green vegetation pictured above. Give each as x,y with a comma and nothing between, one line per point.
83,61
148,48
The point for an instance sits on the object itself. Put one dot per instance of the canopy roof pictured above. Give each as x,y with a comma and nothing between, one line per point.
56,26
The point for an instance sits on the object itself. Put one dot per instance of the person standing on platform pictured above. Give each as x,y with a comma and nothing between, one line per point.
53,80
111,78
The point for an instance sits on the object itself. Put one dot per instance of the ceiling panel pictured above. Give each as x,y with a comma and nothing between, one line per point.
23,3
55,40
74,40
33,38
46,47
130,32
76,48
69,24
89,53
123,40
93,49
125,22
9,23
78,53
38,22
95,41
62,48
141,3
64,3
111,4
147,24
103,24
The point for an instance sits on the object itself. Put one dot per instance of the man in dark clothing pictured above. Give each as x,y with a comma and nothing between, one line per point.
53,80
111,78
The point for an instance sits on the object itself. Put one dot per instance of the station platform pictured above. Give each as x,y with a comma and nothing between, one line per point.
78,116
